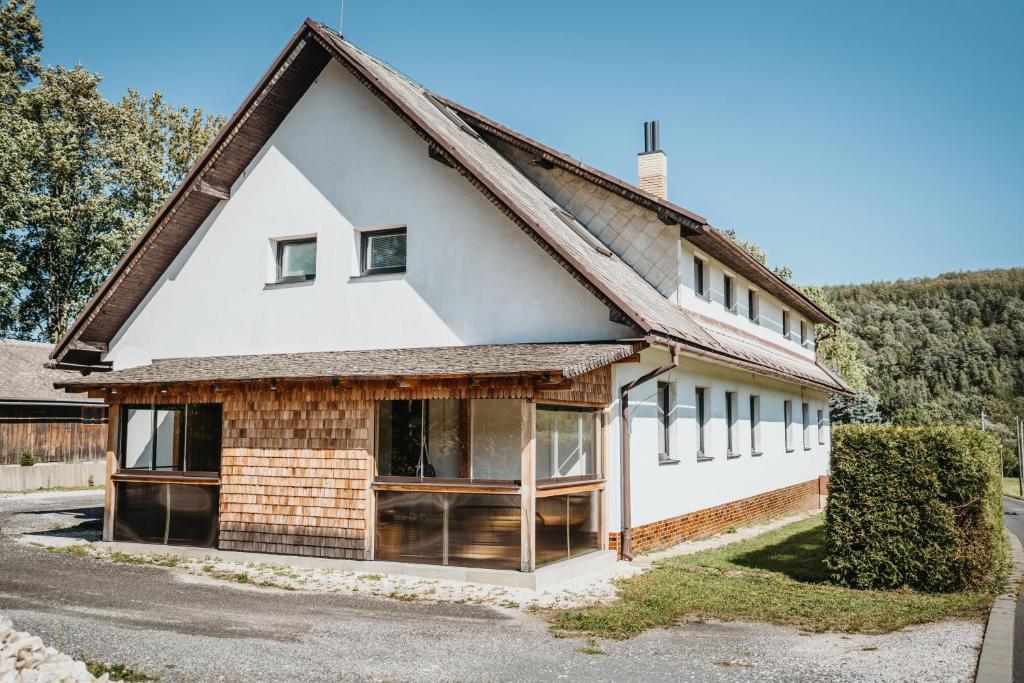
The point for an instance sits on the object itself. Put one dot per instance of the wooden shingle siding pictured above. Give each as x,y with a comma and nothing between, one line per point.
296,462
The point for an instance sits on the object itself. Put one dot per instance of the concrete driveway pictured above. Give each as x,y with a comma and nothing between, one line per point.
177,627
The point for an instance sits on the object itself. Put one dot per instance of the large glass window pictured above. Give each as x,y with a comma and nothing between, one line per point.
566,526
449,438
566,443
171,438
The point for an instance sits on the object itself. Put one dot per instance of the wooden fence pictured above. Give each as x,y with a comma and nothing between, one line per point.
52,441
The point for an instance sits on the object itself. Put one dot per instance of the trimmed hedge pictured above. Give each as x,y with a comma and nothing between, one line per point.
914,507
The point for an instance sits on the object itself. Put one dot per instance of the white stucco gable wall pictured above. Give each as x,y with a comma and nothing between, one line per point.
340,162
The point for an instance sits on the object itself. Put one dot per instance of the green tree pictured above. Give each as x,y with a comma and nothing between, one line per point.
21,38
79,177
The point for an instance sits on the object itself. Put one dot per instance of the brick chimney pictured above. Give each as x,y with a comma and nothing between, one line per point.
652,164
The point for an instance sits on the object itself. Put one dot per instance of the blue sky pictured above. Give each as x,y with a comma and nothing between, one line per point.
854,141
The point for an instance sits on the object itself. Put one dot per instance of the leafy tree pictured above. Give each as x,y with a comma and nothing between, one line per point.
21,38
942,349
79,177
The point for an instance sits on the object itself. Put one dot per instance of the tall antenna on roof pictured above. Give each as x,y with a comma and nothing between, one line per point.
341,19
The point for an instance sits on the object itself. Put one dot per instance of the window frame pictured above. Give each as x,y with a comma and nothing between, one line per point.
700,287
279,247
595,424
805,426
755,425
753,306
731,422
787,325
787,418
821,427
803,332
152,470
729,293
666,418
700,411
364,252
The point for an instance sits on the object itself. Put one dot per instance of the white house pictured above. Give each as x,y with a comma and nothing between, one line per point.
374,324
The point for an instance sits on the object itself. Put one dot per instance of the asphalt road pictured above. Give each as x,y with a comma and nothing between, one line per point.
176,627
1013,516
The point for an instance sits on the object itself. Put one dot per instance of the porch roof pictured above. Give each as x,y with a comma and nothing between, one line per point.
565,360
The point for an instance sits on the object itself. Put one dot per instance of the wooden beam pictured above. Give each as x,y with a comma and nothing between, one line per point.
108,491
549,384
208,189
602,507
435,153
528,443
566,490
98,347
465,439
542,161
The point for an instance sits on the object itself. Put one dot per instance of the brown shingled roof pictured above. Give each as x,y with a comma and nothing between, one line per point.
631,299
25,377
565,360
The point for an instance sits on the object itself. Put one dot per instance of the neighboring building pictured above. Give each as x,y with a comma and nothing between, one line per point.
36,419
329,343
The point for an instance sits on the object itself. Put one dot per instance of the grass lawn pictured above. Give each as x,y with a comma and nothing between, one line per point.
778,577
1011,487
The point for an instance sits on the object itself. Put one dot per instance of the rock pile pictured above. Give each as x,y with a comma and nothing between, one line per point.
24,659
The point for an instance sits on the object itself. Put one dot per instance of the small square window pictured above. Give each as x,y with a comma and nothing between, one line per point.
296,260
383,252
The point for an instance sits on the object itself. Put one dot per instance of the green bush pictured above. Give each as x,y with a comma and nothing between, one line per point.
27,459
915,507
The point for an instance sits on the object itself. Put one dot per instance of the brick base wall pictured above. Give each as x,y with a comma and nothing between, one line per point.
716,520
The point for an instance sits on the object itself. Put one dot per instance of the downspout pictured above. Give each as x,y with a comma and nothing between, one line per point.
626,536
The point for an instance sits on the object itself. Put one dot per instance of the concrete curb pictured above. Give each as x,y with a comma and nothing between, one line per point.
995,665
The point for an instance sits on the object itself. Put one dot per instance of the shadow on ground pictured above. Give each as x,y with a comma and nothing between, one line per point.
800,557
82,522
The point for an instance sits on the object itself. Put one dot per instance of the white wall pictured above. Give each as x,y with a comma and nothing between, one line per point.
769,325
341,161
662,491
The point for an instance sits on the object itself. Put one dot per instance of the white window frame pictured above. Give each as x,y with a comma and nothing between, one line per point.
753,306
666,401
729,292
702,289
732,424
821,427
805,420
787,419
700,419
755,425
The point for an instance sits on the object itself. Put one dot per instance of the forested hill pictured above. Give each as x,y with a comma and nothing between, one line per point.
942,348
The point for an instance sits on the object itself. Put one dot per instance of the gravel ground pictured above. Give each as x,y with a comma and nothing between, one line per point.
180,626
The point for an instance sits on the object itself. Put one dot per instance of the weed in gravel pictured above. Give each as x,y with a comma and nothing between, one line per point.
117,672
77,549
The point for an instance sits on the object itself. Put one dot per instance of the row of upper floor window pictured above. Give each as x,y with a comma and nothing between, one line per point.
666,415
381,251
800,332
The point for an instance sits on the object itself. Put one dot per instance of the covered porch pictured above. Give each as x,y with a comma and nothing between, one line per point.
487,457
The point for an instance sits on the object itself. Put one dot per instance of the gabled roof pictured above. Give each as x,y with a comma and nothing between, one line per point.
491,360
24,377
451,140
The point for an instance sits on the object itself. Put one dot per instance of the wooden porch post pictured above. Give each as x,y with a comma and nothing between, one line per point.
113,423
528,426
